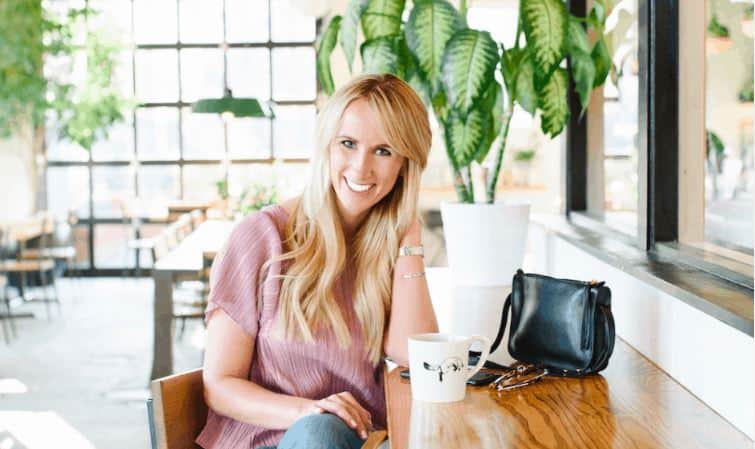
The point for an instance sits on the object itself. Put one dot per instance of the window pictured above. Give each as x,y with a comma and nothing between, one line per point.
163,151
729,172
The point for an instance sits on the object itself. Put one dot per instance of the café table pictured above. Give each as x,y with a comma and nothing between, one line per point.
632,404
185,260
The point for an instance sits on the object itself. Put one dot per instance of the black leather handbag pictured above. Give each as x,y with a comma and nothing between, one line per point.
561,325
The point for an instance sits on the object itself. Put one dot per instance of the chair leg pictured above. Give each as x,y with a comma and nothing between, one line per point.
6,298
6,335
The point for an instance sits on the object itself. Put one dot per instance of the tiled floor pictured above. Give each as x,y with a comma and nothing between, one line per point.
79,379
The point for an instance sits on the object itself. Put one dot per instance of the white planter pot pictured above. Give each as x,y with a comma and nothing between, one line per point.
484,242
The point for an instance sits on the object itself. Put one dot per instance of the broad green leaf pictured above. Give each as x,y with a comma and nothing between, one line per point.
511,61
430,26
492,107
577,37
526,95
348,36
601,58
382,18
421,87
407,62
553,103
327,44
468,67
583,72
440,105
545,24
379,55
464,135
597,16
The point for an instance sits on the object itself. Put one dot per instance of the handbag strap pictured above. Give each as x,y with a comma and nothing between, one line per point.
499,337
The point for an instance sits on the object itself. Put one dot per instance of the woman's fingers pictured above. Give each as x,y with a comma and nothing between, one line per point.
348,409
350,399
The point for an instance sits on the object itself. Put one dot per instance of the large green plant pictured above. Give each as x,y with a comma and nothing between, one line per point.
28,35
453,68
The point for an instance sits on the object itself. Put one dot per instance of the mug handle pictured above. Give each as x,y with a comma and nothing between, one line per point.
485,341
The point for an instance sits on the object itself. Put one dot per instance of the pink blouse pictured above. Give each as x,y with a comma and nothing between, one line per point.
314,370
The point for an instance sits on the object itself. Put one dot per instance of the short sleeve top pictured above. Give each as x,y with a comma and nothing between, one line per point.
311,370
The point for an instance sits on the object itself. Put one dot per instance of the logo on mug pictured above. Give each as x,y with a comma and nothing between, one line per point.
448,365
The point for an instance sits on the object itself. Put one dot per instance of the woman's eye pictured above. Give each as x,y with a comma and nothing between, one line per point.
383,152
347,143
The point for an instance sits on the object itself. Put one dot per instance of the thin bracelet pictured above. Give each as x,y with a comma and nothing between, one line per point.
416,274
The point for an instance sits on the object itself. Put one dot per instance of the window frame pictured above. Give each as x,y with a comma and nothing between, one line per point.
665,222
92,221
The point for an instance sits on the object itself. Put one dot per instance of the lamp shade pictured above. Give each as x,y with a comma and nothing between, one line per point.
239,107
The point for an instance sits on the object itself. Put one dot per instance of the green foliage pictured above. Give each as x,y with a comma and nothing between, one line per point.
746,94
257,197
327,44
29,34
453,69
524,155
716,28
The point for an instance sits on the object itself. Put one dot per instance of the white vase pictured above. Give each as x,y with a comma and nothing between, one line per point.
485,245
485,242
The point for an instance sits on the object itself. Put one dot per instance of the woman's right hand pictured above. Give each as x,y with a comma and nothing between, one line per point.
346,407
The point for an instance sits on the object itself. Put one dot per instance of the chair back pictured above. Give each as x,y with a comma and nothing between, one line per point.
178,411
197,218
183,225
159,247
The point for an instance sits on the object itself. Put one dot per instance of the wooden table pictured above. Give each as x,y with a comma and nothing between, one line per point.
632,404
180,207
185,259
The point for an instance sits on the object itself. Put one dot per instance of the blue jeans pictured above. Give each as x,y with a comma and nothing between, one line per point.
319,431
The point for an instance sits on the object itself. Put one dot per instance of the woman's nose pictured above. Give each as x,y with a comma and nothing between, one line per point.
362,161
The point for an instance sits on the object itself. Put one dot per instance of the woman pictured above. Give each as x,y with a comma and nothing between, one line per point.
308,296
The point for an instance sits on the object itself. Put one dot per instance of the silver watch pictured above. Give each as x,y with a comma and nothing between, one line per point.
411,251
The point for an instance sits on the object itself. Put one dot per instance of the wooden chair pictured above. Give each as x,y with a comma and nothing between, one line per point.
177,412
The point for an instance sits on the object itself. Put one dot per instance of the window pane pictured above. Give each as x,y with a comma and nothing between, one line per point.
289,25
291,178
59,149
201,74
620,127
114,17
249,138
201,21
294,130
246,21
113,189
202,136
199,182
157,76
294,74
157,133
729,168
158,185
68,188
111,246
241,177
155,22
119,146
249,72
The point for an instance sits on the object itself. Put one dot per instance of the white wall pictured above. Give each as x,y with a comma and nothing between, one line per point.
711,359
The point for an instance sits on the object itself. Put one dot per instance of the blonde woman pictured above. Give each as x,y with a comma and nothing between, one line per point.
308,296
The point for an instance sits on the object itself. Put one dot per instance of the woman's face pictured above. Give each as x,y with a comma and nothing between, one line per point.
363,167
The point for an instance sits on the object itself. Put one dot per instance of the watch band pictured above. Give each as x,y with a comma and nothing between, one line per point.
411,251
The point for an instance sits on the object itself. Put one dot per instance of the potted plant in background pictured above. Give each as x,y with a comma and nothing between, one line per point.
523,166
472,85
718,39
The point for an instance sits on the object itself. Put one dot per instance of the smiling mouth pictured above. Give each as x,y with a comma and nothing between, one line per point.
358,188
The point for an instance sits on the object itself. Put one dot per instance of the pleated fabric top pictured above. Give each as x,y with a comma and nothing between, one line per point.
311,370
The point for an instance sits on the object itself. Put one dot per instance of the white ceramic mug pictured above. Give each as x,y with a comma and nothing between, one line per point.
438,365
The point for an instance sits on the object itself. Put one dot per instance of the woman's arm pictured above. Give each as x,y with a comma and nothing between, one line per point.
228,391
411,309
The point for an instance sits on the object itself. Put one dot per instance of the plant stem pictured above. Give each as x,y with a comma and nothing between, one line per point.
463,12
462,192
493,178
470,184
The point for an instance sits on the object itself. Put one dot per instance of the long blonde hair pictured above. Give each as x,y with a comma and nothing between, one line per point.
317,249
